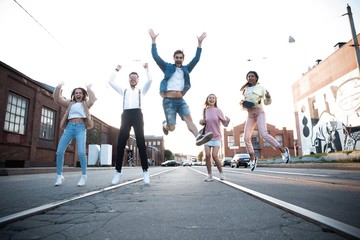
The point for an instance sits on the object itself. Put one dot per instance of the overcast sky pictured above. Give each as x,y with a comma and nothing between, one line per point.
81,41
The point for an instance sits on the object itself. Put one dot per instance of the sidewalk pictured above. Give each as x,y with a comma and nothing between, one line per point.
331,161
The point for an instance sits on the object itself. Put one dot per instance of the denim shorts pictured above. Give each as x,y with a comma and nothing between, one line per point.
173,106
213,143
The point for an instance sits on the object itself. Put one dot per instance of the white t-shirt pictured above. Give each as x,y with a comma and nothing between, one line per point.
176,81
77,111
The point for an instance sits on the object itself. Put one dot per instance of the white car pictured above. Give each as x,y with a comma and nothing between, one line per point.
187,163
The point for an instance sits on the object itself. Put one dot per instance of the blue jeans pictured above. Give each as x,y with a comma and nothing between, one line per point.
77,130
172,106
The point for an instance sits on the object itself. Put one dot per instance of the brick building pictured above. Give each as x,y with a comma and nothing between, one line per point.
29,126
234,141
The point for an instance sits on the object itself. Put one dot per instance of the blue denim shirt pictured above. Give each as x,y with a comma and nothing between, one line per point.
169,68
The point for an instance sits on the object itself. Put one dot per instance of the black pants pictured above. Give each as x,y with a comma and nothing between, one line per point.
131,118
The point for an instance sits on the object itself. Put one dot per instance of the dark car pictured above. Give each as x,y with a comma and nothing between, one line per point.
240,159
226,161
169,163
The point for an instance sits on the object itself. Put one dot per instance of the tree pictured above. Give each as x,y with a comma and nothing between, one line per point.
168,155
200,156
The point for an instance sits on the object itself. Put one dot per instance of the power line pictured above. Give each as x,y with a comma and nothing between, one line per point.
37,21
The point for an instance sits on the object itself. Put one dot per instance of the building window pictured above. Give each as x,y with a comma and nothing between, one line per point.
242,141
230,139
47,125
279,138
16,113
104,138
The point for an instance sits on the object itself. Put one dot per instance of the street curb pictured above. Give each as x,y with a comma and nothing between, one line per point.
343,166
40,170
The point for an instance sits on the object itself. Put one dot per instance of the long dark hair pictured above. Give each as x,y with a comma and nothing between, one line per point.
85,94
247,83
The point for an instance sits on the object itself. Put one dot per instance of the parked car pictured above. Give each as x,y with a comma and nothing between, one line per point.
187,163
240,159
169,163
226,161
197,163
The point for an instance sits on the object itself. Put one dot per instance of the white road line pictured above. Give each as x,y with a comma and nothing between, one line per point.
337,226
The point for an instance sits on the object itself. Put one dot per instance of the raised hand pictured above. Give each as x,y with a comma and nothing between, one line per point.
201,38
153,35
118,67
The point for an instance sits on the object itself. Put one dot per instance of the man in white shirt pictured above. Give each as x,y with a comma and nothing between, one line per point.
131,117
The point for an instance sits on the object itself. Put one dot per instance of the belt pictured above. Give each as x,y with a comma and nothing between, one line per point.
173,94
77,120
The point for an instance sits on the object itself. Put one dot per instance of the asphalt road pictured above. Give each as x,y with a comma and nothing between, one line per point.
178,204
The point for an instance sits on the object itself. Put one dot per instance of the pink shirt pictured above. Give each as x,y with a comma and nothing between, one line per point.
214,117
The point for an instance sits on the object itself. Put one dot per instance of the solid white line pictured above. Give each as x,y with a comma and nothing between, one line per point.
337,226
292,173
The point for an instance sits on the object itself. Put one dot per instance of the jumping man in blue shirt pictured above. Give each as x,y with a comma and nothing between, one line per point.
174,86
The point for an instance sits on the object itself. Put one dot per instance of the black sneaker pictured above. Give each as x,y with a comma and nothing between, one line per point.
201,139
166,132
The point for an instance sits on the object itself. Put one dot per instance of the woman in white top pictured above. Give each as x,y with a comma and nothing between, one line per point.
254,94
76,120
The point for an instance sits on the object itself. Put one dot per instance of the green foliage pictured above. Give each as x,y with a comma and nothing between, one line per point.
168,155
200,156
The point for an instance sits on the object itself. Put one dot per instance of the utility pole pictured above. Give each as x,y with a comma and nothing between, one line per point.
353,32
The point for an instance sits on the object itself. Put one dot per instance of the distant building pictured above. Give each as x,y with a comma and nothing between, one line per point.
327,103
29,126
234,142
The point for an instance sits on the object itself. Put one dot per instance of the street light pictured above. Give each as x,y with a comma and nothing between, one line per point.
353,32
291,39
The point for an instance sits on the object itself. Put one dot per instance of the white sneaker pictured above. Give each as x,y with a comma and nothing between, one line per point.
82,180
222,176
116,178
286,155
208,178
253,164
59,180
166,132
146,177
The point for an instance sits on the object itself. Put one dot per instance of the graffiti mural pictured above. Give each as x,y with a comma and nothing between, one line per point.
329,119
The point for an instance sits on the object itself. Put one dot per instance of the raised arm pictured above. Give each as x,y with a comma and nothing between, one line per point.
149,79
58,98
112,80
92,97
201,38
153,35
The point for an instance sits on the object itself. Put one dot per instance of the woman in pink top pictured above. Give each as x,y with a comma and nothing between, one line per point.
213,116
